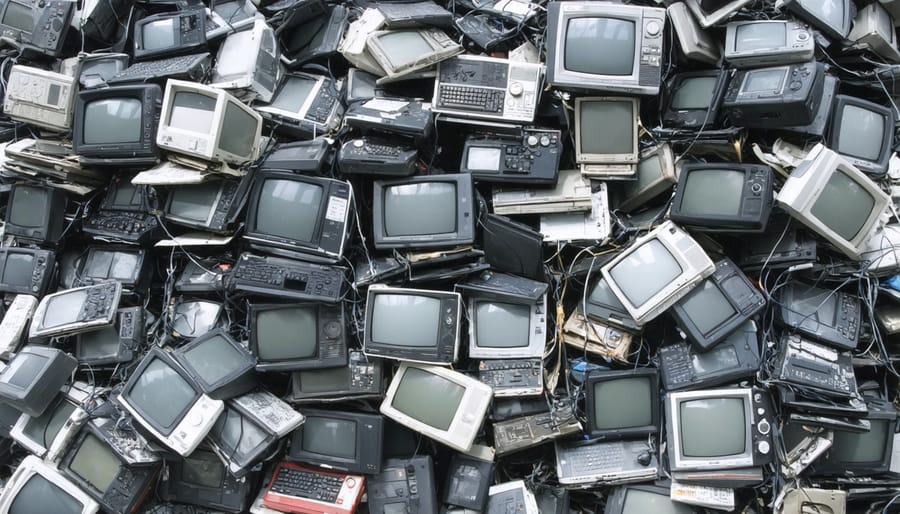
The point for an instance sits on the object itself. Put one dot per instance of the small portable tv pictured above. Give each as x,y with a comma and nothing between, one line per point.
115,344
75,310
35,28
631,38
299,215
656,271
402,52
711,12
442,404
874,31
202,479
26,270
38,97
656,174
606,134
862,453
124,264
694,98
341,440
723,196
55,427
248,61
834,199
832,17
165,34
603,305
824,314
35,213
297,336
221,366
33,378
116,126
644,498
208,123
210,206
168,403
361,378
785,96
424,212
317,36
412,324
304,105
622,404
36,486
759,43
862,133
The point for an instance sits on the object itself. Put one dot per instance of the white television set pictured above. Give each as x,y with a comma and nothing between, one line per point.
36,486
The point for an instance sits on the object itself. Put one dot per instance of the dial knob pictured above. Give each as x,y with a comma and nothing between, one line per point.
532,140
516,89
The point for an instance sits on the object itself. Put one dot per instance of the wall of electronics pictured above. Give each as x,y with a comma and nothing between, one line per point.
499,256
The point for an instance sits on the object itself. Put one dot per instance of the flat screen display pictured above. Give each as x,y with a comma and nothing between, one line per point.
214,359
843,205
405,320
502,325
694,93
764,80
41,495
584,35
484,159
404,47
428,398
287,334
113,120
194,202
29,207
607,127
713,193
192,112
289,209
707,307
63,309
760,36
420,209
96,463
712,427
623,403
330,436
161,393
646,271
159,34
18,269
861,133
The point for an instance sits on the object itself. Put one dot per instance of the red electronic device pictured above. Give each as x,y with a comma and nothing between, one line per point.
305,490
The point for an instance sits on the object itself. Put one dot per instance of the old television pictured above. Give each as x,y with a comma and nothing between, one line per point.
299,215
361,378
33,378
711,12
644,498
694,98
114,344
402,52
40,98
718,306
168,403
874,31
759,43
631,36
437,402
305,105
164,34
221,366
26,270
826,315
862,133
656,174
862,453
832,17
342,440
190,318
834,199
512,247
718,429
210,206
35,213
316,37
622,404
93,70
601,304
53,428
424,212
80,309
228,16
36,486
723,196
656,271
606,135
248,61
412,324
292,336
35,27
122,195
116,126
208,123
202,479
124,264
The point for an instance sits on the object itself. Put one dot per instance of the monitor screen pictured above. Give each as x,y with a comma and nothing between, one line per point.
720,357
287,333
694,93
712,427
293,94
713,192
603,295
63,309
607,127
404,47
428,398
127,195
484,158
192,112
23,370
159,34
861,133
98,344
831,12
623,403
214,359
18,270
161,393
843,205
324,380
405,320
192,319
29,207
638,501
502,325
96,463
420,209
44,428
238,436
18,16
760,36
329,436
106,264
194,202
41,495
289,209
238,133
113,120
707,307
764,80
202,469
584,35
860,448
646,271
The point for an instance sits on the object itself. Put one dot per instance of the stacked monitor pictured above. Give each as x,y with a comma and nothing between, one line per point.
606,135
863,133
622,404
36,213
285,337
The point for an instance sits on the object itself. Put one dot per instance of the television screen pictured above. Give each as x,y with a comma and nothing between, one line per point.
18,16
192,112
646,271
96,463
623,403
214,359
22,371
98,344
586,34
760,36
289,209
192,319
194,202
707,307
502,325
286,334
603,295
161,393
63,309
44,428
607,127
293,94
324,380
843,206
713,192
405,320
831,12
238,133
764,80
113,120
201,469
638,501
41,495
18,269
858,448
29,207
403,47
127,195
428,398
861,133
693,93
329,436
237,435
121,266
420,209
159,34
712,427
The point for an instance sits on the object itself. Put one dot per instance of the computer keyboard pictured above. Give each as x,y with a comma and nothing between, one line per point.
307,484
481,99
187,67
591,458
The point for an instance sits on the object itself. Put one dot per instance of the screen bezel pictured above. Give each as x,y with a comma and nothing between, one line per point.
592,379
610,158
31,466
368,450
207,224
65,466
300,114
179,46
150,96
25,398
876,167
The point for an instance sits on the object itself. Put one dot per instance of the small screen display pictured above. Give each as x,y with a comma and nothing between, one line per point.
858,448
719,358
203,471
325,380
760,36
96,463
161,393
405,320
861,133
484,159
585,35
607,127
764,80
623,403
843,205
238,436
707,307
713,193
23,370
330,436
293,94
195,318
713,427
289,209
420,209
502,325
831,12
99,344
603,295
238,134
638,501
428,398
41,495
63,309
287,334
114,120
159,34
18,269
214,359
194,202
127,195
404,47
29,207
815,306
694,93
192,112
18,16
646,271
44,428
105,264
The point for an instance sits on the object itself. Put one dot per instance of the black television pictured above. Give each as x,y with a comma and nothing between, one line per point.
342,440
622,404
863,133
297,336
202,479
33,378
694,98
26,270
862,453
35,213
220,365
723,196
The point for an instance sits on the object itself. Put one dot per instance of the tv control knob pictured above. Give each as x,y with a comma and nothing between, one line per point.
532,140
351,483
332,329
359,143
763,427
653,28
516,89
545,140
763,447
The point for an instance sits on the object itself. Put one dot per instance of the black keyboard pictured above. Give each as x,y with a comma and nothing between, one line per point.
479,99
307,484
192,67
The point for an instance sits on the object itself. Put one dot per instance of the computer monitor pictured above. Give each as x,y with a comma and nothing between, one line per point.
285,337
299,215
424,212
248,61
402,52
644,498
222,367
202,479
169,33
862,453
412,324
191,318
632,39
656,271
35,213
210,206
33,378
622,404
694,98
26,270
759,43
342,440
166,401
442,404
723,196
719,429
603,305
832,17
209,123
116,126
606,134
113,345
834,199
656,174
874,31
862,133
55,427
36,486
711,12
125,264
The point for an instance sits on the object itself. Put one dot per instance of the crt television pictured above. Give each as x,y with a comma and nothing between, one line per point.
34,376
601,304
297,336
631,38
862,453
52,429
834,199
863,133
759,43
202,479
402,52
644,498
112,345
424,212
730,196
221,366
343,440
442,404
622,404
606,134
36,486
832,17
694,98
35,213
656,174
26,270
170,33
125,264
